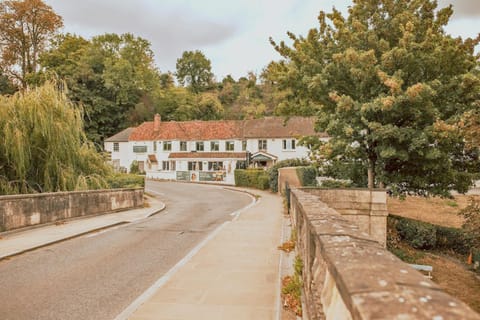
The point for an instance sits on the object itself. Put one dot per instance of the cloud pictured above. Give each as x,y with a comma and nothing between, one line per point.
462,8
170,28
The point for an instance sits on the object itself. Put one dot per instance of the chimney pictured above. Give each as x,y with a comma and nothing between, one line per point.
156,123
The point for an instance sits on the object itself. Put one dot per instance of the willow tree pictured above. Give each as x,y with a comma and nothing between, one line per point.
44,147
391,88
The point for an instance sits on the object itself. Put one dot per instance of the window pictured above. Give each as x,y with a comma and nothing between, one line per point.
229,145
139,149
116,147
183,145
215,165
199,146
165,165
244,145
262,145
167,146
173,165
154,146
288,144
195,166
214,146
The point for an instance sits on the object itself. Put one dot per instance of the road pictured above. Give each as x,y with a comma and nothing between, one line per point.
98,275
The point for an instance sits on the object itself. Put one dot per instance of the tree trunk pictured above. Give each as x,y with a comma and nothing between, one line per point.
371,174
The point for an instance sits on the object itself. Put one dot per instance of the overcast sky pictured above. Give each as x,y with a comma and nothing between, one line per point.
232,34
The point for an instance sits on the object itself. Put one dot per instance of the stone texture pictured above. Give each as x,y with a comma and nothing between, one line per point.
349,275
20,211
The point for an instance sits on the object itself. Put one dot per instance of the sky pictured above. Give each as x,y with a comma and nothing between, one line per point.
233,34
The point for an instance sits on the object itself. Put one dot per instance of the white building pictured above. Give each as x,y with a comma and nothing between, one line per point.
208,150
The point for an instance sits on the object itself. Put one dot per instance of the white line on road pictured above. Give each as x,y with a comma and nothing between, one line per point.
155,192
167,276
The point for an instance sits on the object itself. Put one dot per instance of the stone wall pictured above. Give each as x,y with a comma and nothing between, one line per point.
348,275
20,211
365,208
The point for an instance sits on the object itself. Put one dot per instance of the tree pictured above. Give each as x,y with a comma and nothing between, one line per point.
112,76
195,71
45,148
391,87
25,28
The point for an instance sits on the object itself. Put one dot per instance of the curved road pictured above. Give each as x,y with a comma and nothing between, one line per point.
98,275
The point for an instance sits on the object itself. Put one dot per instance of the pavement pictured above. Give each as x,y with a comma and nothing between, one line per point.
16,242
232,274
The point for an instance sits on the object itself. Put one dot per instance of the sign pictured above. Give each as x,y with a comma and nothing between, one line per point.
183,175
212,176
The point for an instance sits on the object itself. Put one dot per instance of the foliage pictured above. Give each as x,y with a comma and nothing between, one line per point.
195,71
273,171
112,76
335,184
390,87
292,287
25,28
307,176
423,235
45,148
134,168
252,178
122,180
471,214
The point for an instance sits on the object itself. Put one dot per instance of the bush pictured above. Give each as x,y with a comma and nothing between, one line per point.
423,235
126,181
134,169
273,171
335,184
307,176
418,234
252,178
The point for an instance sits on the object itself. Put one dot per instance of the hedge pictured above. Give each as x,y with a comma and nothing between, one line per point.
273,171
252,178
123,180
423,235
307,176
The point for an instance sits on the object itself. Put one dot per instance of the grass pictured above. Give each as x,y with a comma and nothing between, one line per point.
449,271
292,289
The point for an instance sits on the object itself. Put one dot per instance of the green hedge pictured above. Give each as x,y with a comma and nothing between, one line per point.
423,235
273,171
252,178
307,176
123,180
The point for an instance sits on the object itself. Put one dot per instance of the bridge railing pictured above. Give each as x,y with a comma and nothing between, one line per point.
348,275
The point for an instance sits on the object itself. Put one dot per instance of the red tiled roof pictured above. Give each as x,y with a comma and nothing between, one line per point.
152,158
208,155
271,127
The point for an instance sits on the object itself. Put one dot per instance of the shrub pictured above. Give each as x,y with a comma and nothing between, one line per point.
335,184
273,171
423,235
307,176
252,178
418,234
134,169
121,180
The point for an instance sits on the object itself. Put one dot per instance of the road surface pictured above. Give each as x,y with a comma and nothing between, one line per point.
98,275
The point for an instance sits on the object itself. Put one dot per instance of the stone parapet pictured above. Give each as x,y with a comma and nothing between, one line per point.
26,210
349,275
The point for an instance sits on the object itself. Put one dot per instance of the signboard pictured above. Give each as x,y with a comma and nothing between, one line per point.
212,176
183,175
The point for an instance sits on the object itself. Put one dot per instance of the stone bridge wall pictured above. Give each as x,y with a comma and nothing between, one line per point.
348,275
20,211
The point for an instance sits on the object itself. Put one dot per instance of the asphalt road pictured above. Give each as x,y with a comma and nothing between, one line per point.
97,276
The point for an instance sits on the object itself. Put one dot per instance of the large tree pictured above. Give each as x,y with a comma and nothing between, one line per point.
195,71
112,76
391,88
25,29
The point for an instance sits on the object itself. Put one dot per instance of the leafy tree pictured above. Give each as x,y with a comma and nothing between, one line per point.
45,148
6,85
25,28
112,76
195,71
391,87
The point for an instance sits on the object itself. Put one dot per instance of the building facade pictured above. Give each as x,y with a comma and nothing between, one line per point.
208,151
